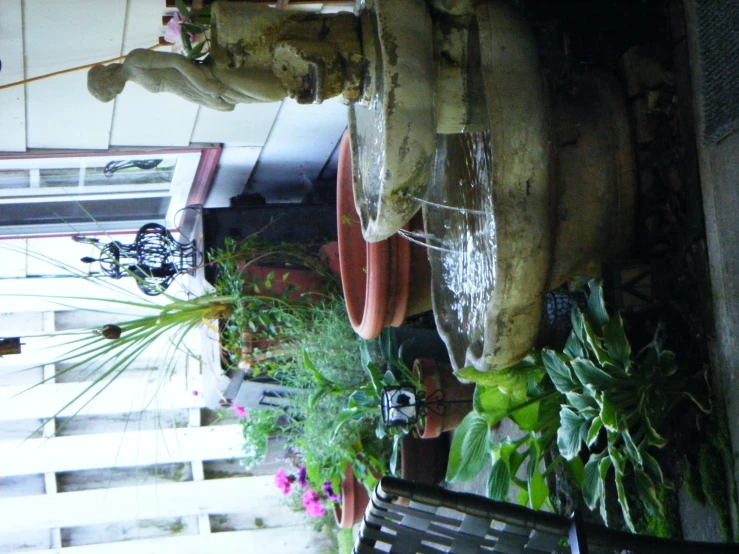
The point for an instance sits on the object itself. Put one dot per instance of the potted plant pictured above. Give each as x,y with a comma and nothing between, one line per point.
383,282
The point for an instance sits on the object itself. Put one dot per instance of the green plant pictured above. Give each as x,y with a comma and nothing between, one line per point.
612,404
364,401
523,394
259,313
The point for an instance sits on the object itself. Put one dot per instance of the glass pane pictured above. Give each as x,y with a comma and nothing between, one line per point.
58,177
131,172
15,179
87,211
121,172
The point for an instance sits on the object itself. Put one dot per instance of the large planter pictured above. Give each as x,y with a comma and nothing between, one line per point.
354,501
383,282
457,396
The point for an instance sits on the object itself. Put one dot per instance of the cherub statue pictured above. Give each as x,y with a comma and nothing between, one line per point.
258,54
207,85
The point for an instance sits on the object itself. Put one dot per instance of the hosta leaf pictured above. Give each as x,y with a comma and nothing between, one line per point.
616,343
651,466
573,347
592,483
499,482
469,449
623,501
522,497
594,431
608,413
653,438
577,318
603,467
596,309
538,490
568,434
619,463
581,401
647,492
591,376
631,450
593,343
558,371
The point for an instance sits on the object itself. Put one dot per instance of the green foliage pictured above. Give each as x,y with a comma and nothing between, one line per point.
613,404
280,319
596,397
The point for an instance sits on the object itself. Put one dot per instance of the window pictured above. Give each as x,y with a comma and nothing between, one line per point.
87,192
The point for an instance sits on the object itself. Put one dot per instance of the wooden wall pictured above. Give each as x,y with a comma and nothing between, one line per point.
141,468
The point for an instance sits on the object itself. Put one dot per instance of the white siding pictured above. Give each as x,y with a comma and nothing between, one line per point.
57,36
12,100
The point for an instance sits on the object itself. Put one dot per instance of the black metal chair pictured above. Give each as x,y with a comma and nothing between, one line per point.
438,520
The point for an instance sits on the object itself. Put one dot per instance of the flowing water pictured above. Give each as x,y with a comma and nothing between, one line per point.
460,229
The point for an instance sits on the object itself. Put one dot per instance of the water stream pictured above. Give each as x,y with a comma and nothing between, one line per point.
460,229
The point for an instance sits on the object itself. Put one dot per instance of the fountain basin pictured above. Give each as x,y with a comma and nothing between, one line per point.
546,194
393,125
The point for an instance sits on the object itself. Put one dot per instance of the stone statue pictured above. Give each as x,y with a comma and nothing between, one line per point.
209,86
258,54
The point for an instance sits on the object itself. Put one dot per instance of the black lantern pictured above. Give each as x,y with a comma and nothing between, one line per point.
155,258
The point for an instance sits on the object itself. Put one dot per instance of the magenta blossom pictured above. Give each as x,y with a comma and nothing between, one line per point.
312,503
240,411
283,481
303,476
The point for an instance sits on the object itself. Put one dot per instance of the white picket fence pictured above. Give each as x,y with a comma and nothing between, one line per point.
141,468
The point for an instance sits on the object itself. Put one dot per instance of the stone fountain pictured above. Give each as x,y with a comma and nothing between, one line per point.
521,189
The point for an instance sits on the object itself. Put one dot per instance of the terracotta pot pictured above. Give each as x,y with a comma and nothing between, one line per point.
354,501
383,282
424,460
440,377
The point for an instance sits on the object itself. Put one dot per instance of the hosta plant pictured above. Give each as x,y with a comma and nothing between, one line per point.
614,403
599,402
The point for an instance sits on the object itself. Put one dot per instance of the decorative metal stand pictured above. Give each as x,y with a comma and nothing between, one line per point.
401,406
154,258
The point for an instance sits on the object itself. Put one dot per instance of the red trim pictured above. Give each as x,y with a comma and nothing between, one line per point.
203,180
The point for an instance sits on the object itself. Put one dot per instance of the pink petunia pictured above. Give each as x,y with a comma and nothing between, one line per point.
312,503
283,482
240,411
315,509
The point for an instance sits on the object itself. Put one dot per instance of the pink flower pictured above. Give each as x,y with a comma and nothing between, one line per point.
172,33
312,503
283,481
195,393
240,411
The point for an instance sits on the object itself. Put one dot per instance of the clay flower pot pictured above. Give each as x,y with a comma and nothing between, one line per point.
354,501
383,282
439,377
